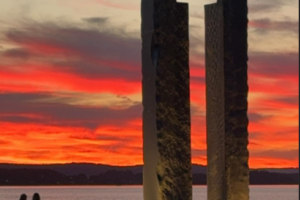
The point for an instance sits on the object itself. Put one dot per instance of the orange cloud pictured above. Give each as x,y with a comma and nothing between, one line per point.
50,80
37,143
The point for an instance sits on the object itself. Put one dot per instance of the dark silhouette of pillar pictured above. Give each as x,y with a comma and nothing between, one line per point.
23,197
226,100
166,100
36,196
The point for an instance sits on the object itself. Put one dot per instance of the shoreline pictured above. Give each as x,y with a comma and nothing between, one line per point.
114,185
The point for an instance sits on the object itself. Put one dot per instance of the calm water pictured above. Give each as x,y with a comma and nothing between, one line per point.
132,192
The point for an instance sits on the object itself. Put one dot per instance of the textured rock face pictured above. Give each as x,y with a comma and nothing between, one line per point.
170,47
215,102
236,92
227,90
166,101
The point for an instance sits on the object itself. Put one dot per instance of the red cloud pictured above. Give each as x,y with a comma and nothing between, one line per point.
268,24
51,80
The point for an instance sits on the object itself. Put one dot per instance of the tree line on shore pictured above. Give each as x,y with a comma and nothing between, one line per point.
114,177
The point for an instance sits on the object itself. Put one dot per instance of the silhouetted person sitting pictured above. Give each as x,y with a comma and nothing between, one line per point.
36,196
23,197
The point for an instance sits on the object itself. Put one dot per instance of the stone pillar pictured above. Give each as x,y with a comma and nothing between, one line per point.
214,59
227,90
170,52
150,150
170,138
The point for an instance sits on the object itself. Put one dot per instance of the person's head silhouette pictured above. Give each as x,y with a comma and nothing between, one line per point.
36,196
23,197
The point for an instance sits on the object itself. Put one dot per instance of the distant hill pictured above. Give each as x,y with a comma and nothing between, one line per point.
26,176
72,169
280,170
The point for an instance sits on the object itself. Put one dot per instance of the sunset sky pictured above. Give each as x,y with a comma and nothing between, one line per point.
70,82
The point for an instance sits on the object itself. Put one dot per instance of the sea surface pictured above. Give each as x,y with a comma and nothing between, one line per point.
278,192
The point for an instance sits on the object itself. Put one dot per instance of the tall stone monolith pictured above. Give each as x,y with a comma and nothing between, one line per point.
226,99
150,149
166,101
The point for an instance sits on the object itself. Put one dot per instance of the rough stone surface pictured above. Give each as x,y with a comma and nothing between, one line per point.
215,102
232,60
170,55
236,105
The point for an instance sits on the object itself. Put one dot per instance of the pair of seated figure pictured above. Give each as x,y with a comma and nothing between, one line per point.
36,196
